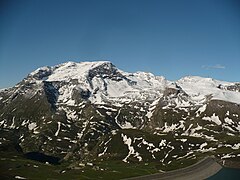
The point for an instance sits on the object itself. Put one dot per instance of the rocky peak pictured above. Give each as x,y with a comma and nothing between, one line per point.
41,73
104,70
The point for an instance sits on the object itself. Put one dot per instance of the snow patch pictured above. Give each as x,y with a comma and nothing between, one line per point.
19,177
236,146
13,123
203,145
183,140
201,110
59,126
169,128
213,118
227,156
32,126
128,142
149,114
163,143
104,151
228,120
127,125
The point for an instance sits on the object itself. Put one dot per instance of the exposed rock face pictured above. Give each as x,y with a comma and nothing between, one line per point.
91,110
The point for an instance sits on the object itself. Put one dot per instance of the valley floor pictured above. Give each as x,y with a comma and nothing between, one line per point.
14,166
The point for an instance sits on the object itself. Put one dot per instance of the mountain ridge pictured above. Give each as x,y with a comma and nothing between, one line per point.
79,71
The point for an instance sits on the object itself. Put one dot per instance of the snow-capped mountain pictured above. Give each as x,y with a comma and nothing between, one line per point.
102,81
93,110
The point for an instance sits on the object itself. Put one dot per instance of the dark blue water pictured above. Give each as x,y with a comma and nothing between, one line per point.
37,156
226,174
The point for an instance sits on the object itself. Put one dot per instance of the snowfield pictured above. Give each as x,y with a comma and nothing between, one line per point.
115,85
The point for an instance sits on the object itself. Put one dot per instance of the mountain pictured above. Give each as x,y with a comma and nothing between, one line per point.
92,112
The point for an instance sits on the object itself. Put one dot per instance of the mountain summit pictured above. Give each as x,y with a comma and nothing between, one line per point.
102,78
90,111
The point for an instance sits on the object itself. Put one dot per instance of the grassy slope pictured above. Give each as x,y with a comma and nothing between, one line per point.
12,165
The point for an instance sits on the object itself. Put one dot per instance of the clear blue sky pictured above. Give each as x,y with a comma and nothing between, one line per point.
173,38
